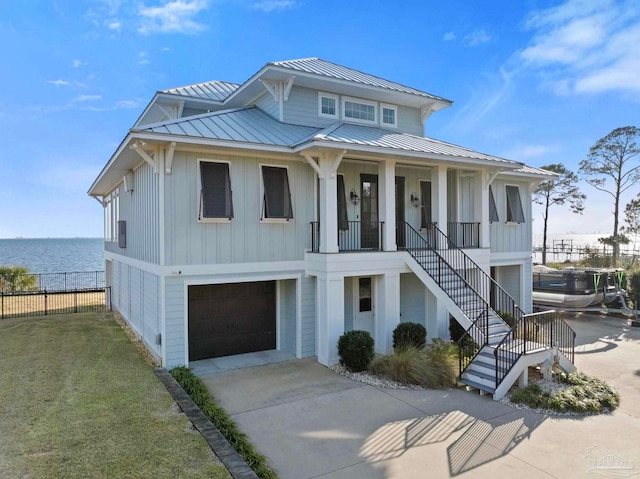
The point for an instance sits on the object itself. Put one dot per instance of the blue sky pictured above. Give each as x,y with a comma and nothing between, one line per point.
534,81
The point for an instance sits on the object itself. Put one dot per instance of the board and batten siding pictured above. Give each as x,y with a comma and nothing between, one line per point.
267,104
308,313
140,209
510,238
412,299
245,239
135,294
302,109
287,307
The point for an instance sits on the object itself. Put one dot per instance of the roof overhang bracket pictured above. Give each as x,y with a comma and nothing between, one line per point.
313,165
287,87
272,87
336,163
139,148
169,158
427,110
98,200
492,176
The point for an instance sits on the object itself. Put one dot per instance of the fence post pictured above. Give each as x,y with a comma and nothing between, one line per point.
2,299
45,302
75,299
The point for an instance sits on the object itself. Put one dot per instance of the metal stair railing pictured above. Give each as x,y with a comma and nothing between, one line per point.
486,293
536,331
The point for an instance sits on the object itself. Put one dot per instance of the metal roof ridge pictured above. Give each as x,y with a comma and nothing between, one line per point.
198,84
295,60
194,117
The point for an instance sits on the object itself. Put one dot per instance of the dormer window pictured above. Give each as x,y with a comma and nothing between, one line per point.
359,111
328,105
389,115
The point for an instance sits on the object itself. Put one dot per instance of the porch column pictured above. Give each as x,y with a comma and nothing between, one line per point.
328,204
481,199
439,185
387,203
329,317
387,313
437,322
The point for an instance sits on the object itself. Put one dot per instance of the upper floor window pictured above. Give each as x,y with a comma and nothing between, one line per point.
389,115
215,191
493,211
327,105
276,200
361,111
514,205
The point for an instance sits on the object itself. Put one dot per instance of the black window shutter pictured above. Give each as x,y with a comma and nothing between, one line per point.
493,211
277,196
425,208
343,221
216,190
514,205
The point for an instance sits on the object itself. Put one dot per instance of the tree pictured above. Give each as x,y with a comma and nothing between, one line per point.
632,218
610,160
16,278
558,192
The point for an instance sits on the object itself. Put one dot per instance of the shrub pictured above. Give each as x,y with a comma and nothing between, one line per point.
17,278
356,350
435,366
585,394
197,390
409,334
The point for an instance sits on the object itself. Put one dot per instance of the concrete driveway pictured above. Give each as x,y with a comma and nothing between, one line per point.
311,422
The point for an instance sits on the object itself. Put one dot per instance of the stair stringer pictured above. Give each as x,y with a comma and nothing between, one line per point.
520,365
435,288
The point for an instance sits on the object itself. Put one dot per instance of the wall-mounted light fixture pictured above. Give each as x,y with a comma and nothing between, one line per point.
415,201
355,199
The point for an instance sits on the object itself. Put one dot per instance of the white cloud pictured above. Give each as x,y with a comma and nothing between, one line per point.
113,24
175,16
126,104
77,64
449,36
59,82
477,37
526,152
272,5
586,47
87,97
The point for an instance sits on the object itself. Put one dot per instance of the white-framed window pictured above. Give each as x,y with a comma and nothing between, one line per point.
359,111
111,215
215,203
388,115
515,213
275,194
328,105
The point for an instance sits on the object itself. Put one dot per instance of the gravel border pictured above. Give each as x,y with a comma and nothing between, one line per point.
373,380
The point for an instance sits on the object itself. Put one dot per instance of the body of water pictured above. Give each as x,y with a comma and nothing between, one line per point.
53,255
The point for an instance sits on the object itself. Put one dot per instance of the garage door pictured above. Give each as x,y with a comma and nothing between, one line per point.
231,318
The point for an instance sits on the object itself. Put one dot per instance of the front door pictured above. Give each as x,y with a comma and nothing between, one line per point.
363,307
369,218
400,211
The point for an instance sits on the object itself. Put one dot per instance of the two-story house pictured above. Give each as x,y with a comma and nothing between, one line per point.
303,203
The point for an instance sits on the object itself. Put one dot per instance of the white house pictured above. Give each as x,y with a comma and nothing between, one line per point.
305,202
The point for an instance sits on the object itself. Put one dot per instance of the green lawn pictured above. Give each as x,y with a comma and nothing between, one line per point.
77,400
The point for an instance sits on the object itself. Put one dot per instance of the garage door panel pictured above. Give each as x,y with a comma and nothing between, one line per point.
232,318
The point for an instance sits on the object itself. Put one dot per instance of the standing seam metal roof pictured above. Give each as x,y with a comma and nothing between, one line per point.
249,125
213,90
321,67
378,137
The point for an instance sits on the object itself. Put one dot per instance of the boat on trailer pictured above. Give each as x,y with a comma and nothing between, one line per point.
576,287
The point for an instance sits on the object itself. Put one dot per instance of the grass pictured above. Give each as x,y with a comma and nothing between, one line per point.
56,303
434,367
584,394
199,393
78,401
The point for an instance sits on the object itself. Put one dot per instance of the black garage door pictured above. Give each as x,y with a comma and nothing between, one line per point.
232,318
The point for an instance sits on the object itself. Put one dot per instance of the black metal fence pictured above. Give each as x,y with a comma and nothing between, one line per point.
53,293
352,236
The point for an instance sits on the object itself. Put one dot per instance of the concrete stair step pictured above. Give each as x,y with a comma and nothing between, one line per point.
476,385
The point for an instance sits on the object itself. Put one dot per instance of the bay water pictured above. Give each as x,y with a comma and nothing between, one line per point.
53,255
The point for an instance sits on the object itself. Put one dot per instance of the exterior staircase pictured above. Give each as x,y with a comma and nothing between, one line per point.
491,351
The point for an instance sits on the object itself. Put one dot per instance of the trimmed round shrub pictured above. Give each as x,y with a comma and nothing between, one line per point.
409,335
356,350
